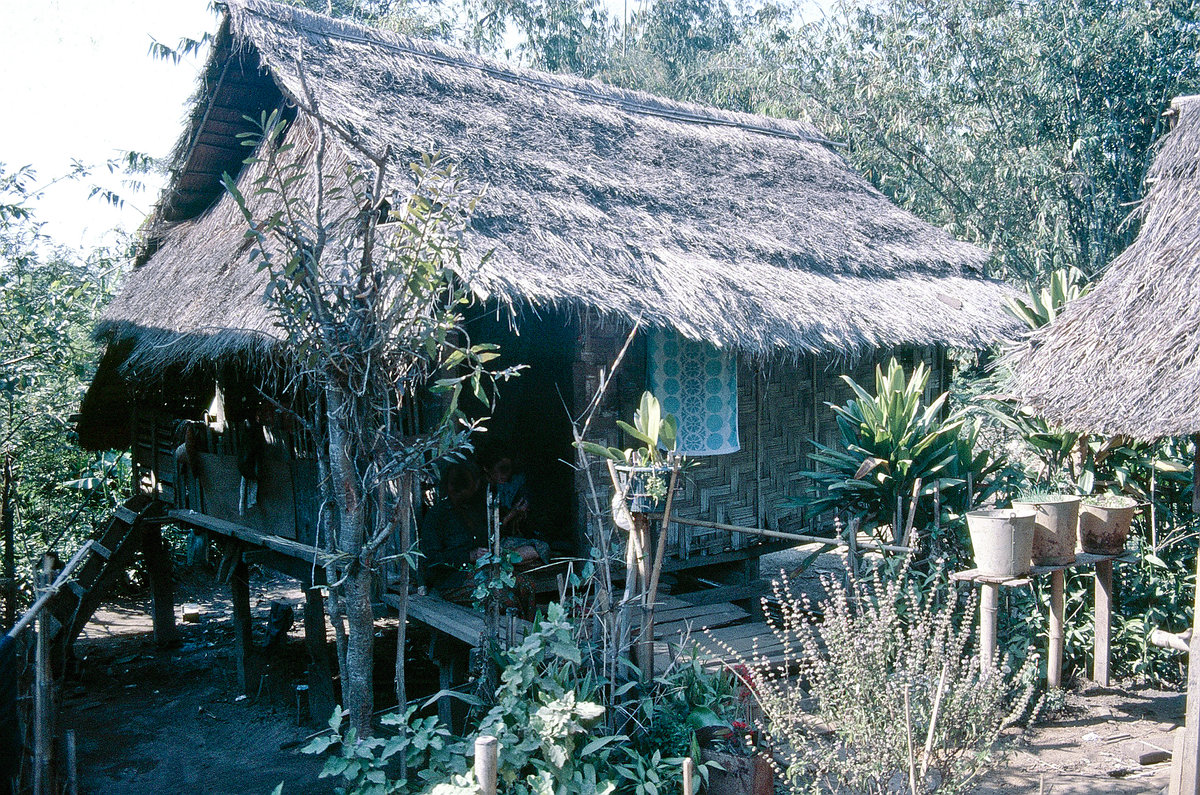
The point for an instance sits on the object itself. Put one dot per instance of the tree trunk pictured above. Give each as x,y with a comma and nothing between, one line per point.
358,689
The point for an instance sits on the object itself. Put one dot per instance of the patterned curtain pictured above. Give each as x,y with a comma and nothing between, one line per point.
698,384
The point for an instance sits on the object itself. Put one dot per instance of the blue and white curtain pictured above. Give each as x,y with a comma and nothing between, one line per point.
698,384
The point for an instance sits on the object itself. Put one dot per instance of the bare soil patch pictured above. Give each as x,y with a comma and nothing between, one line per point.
151,721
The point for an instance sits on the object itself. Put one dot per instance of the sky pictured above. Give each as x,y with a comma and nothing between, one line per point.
76,82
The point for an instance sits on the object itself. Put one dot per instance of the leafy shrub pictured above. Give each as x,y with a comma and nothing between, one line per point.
546,716
889,690
890,441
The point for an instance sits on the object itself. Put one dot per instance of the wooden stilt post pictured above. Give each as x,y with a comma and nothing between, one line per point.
1185,774
989,598
42,697
158,566
239,586
321,698
1185,769
1054,658
1103,618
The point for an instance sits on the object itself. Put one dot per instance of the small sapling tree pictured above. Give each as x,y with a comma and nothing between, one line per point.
368,288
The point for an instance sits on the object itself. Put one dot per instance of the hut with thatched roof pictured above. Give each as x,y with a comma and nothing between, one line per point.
743,242
1125,358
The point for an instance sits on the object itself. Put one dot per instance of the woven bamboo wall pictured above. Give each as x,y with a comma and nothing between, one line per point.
781,408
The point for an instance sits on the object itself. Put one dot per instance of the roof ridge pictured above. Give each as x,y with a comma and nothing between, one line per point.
628,100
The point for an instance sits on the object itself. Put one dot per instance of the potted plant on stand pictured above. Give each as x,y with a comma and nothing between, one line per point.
644,479
1104,521
643,474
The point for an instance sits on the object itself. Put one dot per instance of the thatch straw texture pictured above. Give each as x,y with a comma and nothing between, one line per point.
741,230
1125,359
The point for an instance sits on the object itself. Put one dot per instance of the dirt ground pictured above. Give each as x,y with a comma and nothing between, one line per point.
172,722
154,722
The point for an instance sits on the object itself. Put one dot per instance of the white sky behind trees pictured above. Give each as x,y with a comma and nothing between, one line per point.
76,82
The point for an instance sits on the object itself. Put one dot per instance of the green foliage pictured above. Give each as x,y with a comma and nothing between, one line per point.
1023,126
657,433
893,448
49,297
426,748
547,719
890,689
1038,307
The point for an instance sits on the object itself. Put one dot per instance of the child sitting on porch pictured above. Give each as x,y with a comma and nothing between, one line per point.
455,533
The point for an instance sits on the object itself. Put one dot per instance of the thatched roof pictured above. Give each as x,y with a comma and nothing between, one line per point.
741,230
1125,358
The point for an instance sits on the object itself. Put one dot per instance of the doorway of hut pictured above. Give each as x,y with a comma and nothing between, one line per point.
531,422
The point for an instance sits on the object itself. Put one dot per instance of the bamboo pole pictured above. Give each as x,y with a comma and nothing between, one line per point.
487,756
689,770
1055,658
797,537
656,573
42,784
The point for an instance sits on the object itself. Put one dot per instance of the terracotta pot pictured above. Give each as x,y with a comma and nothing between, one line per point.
1055,528
1103,529
1002,541
742,775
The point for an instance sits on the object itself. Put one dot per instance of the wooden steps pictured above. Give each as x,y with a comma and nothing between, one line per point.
104,556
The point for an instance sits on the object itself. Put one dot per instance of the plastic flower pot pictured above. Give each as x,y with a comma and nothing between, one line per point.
1055,528
1002,541
1104,524
645,487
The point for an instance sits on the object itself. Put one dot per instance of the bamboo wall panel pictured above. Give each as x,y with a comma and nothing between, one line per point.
781,408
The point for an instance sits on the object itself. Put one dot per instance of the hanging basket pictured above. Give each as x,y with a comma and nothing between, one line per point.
645,488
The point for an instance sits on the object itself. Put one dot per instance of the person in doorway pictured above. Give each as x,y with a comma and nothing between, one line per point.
507,483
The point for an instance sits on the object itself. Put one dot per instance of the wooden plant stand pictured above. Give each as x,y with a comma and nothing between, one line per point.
990,598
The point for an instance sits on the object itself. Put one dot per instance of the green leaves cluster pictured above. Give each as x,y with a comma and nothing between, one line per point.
426,748
657,433
49,297
893,449
547,718
1038,308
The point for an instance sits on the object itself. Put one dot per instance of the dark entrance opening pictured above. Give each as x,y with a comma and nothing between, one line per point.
531,421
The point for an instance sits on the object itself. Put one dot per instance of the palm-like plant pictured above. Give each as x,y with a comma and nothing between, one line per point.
1037,308
893,451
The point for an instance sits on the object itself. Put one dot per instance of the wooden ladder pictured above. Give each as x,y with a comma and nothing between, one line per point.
101,559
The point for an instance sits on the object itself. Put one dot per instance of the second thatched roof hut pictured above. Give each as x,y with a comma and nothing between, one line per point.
1125,358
